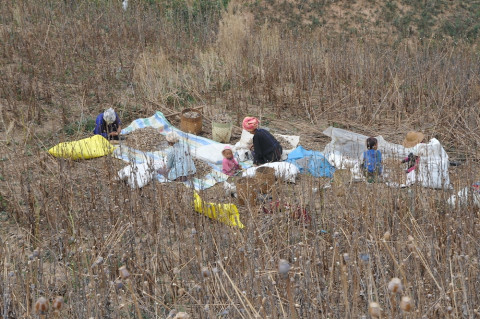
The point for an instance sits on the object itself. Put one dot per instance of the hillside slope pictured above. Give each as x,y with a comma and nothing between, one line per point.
404,18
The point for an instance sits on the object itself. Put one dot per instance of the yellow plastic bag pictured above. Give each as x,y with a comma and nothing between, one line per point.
224,213
91,147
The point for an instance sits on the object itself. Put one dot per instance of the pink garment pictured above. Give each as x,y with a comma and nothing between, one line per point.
250,123
414,166
230,166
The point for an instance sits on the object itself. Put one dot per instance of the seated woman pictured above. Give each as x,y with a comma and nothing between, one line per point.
266,148
107,124
180,166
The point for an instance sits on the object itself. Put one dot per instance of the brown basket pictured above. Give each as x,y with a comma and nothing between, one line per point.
265,178
191,125
222,132
246,191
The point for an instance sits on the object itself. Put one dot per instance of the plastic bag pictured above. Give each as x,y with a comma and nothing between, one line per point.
91,147
224,213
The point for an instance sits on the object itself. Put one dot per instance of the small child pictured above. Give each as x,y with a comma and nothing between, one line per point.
412,161
230,165
372,160
411,140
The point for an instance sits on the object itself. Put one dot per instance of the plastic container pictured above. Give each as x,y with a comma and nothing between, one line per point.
265,179
191,124
222,132
246,191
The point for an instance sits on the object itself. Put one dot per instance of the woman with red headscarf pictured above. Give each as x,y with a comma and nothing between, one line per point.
266,148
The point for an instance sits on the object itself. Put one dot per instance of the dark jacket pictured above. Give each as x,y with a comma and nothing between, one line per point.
102,128
266,148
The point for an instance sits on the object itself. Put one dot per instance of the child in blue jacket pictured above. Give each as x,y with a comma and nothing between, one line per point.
372,160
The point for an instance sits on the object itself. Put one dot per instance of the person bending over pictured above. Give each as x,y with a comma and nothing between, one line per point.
108,124
266,148
180,166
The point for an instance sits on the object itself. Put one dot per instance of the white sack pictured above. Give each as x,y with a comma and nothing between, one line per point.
243,154
139,175
293,140
348,147
246,139
340,161
286,171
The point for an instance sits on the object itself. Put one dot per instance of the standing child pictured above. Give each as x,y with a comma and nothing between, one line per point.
372,160
230,165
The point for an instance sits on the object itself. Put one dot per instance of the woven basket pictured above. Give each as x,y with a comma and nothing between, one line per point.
246,191
221,132
191,125
265,178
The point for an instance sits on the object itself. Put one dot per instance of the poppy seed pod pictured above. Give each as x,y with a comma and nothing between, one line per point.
205,272
57,303
119,284
406,304
41,306
98,261
123,272
387,235
374,310
395,285
283,267
182,315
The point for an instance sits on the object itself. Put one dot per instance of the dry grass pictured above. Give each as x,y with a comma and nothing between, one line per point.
64,60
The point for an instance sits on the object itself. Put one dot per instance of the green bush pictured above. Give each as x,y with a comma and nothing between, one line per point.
85,125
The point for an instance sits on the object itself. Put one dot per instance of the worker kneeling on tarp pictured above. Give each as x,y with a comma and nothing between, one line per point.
265,148
108,124
180,166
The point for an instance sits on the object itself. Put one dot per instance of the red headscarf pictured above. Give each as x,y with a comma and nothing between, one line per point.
250,123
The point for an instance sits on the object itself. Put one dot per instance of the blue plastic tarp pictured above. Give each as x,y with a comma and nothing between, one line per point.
311,162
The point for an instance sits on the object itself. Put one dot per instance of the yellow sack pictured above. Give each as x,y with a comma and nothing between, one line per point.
224,213
91,147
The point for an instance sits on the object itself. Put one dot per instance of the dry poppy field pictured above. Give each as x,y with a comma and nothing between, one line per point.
77,243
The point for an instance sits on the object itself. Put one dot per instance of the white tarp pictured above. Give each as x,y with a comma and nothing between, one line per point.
346,148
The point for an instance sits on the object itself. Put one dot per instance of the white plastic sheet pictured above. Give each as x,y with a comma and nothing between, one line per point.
346,148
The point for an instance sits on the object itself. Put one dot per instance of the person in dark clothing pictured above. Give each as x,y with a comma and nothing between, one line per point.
108,124
266,148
